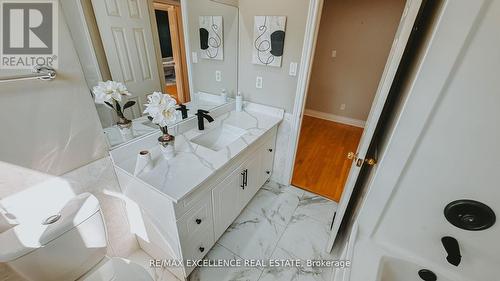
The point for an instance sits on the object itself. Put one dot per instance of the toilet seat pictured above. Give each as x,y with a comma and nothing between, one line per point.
117,269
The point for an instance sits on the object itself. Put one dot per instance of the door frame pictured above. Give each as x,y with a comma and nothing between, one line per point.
183,82
405,27
311,35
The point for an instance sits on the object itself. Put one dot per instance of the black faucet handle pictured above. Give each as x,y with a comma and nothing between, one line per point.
452,248
202,111
182,107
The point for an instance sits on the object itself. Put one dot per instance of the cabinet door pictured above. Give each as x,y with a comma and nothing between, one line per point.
253,178
227,197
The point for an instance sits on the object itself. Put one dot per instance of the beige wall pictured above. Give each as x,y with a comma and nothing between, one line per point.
203,72
52,126
361,31
278,87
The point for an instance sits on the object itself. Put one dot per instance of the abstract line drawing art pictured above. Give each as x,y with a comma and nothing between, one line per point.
212,37
269,40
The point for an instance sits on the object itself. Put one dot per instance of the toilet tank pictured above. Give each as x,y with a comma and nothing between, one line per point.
63,247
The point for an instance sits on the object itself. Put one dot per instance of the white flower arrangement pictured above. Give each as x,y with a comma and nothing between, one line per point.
161,109
109,91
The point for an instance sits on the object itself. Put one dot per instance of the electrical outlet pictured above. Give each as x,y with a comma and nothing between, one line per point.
293,69
342,106
218,76
334,53
258,82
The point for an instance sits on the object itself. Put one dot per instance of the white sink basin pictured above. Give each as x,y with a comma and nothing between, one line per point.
219,137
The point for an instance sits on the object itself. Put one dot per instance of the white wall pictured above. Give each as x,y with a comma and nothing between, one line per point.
51,126
279,89
444,147
203,72
361,32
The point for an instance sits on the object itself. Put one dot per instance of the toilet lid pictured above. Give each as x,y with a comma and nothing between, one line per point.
117,269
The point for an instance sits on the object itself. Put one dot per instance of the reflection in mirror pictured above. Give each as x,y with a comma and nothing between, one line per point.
186,49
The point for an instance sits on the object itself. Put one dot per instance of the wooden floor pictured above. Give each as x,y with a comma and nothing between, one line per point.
172,90
321,165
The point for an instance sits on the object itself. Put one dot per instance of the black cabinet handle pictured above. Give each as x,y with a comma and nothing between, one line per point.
270,150
268,172
246,177
198,221
243,179
202,249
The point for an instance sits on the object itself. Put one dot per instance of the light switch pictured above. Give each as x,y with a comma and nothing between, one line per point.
293,69
258,82
218,76
194,56
334,53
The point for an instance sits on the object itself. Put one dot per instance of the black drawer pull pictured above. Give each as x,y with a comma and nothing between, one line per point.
270,150
202,249
198,221
243,179
268,172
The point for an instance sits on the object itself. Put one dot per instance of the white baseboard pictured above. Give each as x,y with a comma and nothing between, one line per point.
335,118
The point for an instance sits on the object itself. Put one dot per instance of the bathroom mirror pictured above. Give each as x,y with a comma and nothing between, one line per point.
185,48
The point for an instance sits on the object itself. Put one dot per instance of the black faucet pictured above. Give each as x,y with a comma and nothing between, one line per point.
452,248
203,114
183,109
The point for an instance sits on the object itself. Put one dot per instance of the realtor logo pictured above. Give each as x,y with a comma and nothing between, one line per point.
28,34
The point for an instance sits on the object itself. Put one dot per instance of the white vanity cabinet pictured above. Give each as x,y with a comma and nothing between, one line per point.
188,228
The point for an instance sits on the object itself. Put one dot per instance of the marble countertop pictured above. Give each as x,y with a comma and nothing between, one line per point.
193,163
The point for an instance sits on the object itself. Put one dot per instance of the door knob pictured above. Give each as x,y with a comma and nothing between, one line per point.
359,161
352,156
198,221
202,249
371,161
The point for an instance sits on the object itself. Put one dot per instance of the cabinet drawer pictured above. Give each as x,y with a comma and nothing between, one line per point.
268,150
197,247
196,219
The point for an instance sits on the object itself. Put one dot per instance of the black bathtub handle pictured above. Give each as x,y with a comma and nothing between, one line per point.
452,248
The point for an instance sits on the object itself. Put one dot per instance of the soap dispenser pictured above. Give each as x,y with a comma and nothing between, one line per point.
239,102
223,96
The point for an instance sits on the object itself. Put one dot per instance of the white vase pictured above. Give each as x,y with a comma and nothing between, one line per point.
126,133
168,151
125,128
144,162
167,144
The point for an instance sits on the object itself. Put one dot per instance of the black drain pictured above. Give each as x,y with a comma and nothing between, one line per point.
470,215
427,275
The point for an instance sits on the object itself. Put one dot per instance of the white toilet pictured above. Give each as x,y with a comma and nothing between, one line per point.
67,246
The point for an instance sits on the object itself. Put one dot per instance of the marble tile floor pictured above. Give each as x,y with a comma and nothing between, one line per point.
281,222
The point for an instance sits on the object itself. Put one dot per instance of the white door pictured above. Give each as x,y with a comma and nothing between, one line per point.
401,39
125,29
227,197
